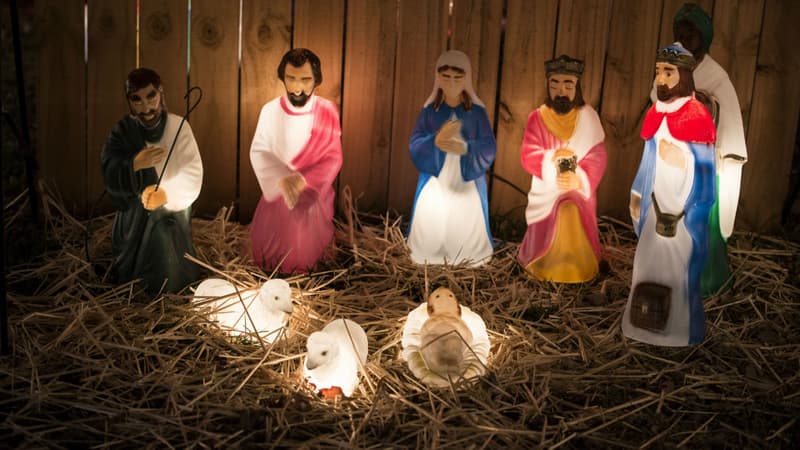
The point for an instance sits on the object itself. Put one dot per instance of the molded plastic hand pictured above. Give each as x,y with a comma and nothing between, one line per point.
671,154
568,181
449,140
149,157
152,199
291,187
635,205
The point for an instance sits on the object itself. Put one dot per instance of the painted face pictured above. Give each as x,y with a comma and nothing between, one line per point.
452,84
561,88
299,83
145,105
667,77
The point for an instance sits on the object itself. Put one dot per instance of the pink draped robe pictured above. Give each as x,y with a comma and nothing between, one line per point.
545,197
302,234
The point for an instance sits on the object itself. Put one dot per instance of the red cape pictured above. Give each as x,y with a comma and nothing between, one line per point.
690,123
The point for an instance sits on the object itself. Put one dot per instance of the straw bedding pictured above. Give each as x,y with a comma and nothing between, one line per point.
95,364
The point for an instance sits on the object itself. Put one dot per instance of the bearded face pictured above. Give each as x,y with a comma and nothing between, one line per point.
563,93
299,83
672,82
146,104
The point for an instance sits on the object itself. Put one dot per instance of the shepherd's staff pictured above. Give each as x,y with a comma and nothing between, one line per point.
175,139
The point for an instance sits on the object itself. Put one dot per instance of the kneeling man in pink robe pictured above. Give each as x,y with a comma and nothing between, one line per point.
296,154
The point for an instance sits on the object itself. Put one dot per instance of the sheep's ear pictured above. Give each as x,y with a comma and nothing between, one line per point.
458,306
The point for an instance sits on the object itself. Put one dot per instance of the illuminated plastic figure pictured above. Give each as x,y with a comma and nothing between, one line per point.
152,228
452,146
296,154
564,152
444,342
694,29
670,202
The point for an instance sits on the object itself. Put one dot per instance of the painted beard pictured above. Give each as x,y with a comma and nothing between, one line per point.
149,118
665,94
562,104
298,100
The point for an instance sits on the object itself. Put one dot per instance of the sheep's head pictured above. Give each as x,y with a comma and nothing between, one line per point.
276,295
443,301
322,349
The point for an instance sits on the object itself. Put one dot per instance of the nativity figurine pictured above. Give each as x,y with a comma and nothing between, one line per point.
564,151
452,146
671,197
296,155
153,176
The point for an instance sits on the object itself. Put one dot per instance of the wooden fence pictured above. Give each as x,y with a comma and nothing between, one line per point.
377,59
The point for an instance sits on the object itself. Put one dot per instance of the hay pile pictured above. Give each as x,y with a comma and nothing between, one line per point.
100,365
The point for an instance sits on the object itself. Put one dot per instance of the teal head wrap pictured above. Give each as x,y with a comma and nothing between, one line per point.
699,18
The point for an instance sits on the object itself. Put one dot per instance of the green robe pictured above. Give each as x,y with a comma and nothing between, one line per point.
149,245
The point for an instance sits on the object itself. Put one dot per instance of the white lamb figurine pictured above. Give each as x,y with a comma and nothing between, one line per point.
268,308
334,357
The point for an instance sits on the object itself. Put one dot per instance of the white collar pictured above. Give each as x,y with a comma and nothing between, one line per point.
673,106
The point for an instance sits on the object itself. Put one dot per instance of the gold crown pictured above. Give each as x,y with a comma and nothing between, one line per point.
677,56
564,64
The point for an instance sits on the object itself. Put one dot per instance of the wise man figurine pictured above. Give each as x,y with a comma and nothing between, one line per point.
670,201
296,154
452,146
564,151
694,29
152,228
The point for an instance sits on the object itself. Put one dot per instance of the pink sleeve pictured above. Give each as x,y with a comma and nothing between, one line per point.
594,164
536,142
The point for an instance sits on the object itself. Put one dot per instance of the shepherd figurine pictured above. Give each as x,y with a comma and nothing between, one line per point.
152,188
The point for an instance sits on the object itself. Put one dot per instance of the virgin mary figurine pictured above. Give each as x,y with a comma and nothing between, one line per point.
452,146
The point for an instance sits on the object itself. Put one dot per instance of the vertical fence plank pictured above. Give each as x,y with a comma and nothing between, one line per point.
319,26
773,121
737,29
61,101
626,95
422,37
668,14
214,67
265,38
477,25
163,26
112,54
530,34
369,75
582,34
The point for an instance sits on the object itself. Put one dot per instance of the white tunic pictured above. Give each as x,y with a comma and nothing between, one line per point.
184,170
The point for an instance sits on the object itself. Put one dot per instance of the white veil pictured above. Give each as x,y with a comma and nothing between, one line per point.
454,58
